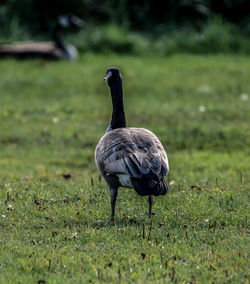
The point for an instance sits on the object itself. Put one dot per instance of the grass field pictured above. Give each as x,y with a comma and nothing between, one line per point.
58,230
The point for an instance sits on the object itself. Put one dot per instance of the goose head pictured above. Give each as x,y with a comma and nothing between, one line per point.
113,76
70,21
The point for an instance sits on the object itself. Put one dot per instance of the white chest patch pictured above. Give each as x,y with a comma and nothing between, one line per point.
71,52
125,180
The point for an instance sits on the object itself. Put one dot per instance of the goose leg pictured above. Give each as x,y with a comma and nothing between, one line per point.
150,203
113,195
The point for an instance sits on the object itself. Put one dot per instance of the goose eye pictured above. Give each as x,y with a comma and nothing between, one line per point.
106,78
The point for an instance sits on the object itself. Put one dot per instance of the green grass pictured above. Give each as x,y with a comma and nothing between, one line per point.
52,116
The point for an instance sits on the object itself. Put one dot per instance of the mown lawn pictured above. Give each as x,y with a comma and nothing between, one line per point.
58,231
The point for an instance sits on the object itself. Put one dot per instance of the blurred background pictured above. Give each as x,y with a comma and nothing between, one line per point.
135,26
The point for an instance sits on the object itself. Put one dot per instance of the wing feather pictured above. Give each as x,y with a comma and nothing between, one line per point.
133,151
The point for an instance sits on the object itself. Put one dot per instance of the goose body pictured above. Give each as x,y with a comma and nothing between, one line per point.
135,156
30,50
130,157
56,50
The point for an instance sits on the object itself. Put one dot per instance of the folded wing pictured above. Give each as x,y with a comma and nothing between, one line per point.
138,153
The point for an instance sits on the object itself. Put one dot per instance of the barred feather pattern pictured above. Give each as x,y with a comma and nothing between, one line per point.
135,152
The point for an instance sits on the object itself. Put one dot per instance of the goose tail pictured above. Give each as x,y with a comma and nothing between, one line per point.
150,187
163,187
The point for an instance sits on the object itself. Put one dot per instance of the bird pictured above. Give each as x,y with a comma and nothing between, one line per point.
56,50
127,156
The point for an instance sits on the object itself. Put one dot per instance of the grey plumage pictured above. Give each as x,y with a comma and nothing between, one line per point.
130,157
136,152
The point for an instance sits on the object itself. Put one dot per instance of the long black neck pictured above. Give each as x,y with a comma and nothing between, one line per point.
118,116
56,35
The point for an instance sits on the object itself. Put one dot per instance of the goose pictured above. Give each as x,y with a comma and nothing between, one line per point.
130,157
56,50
